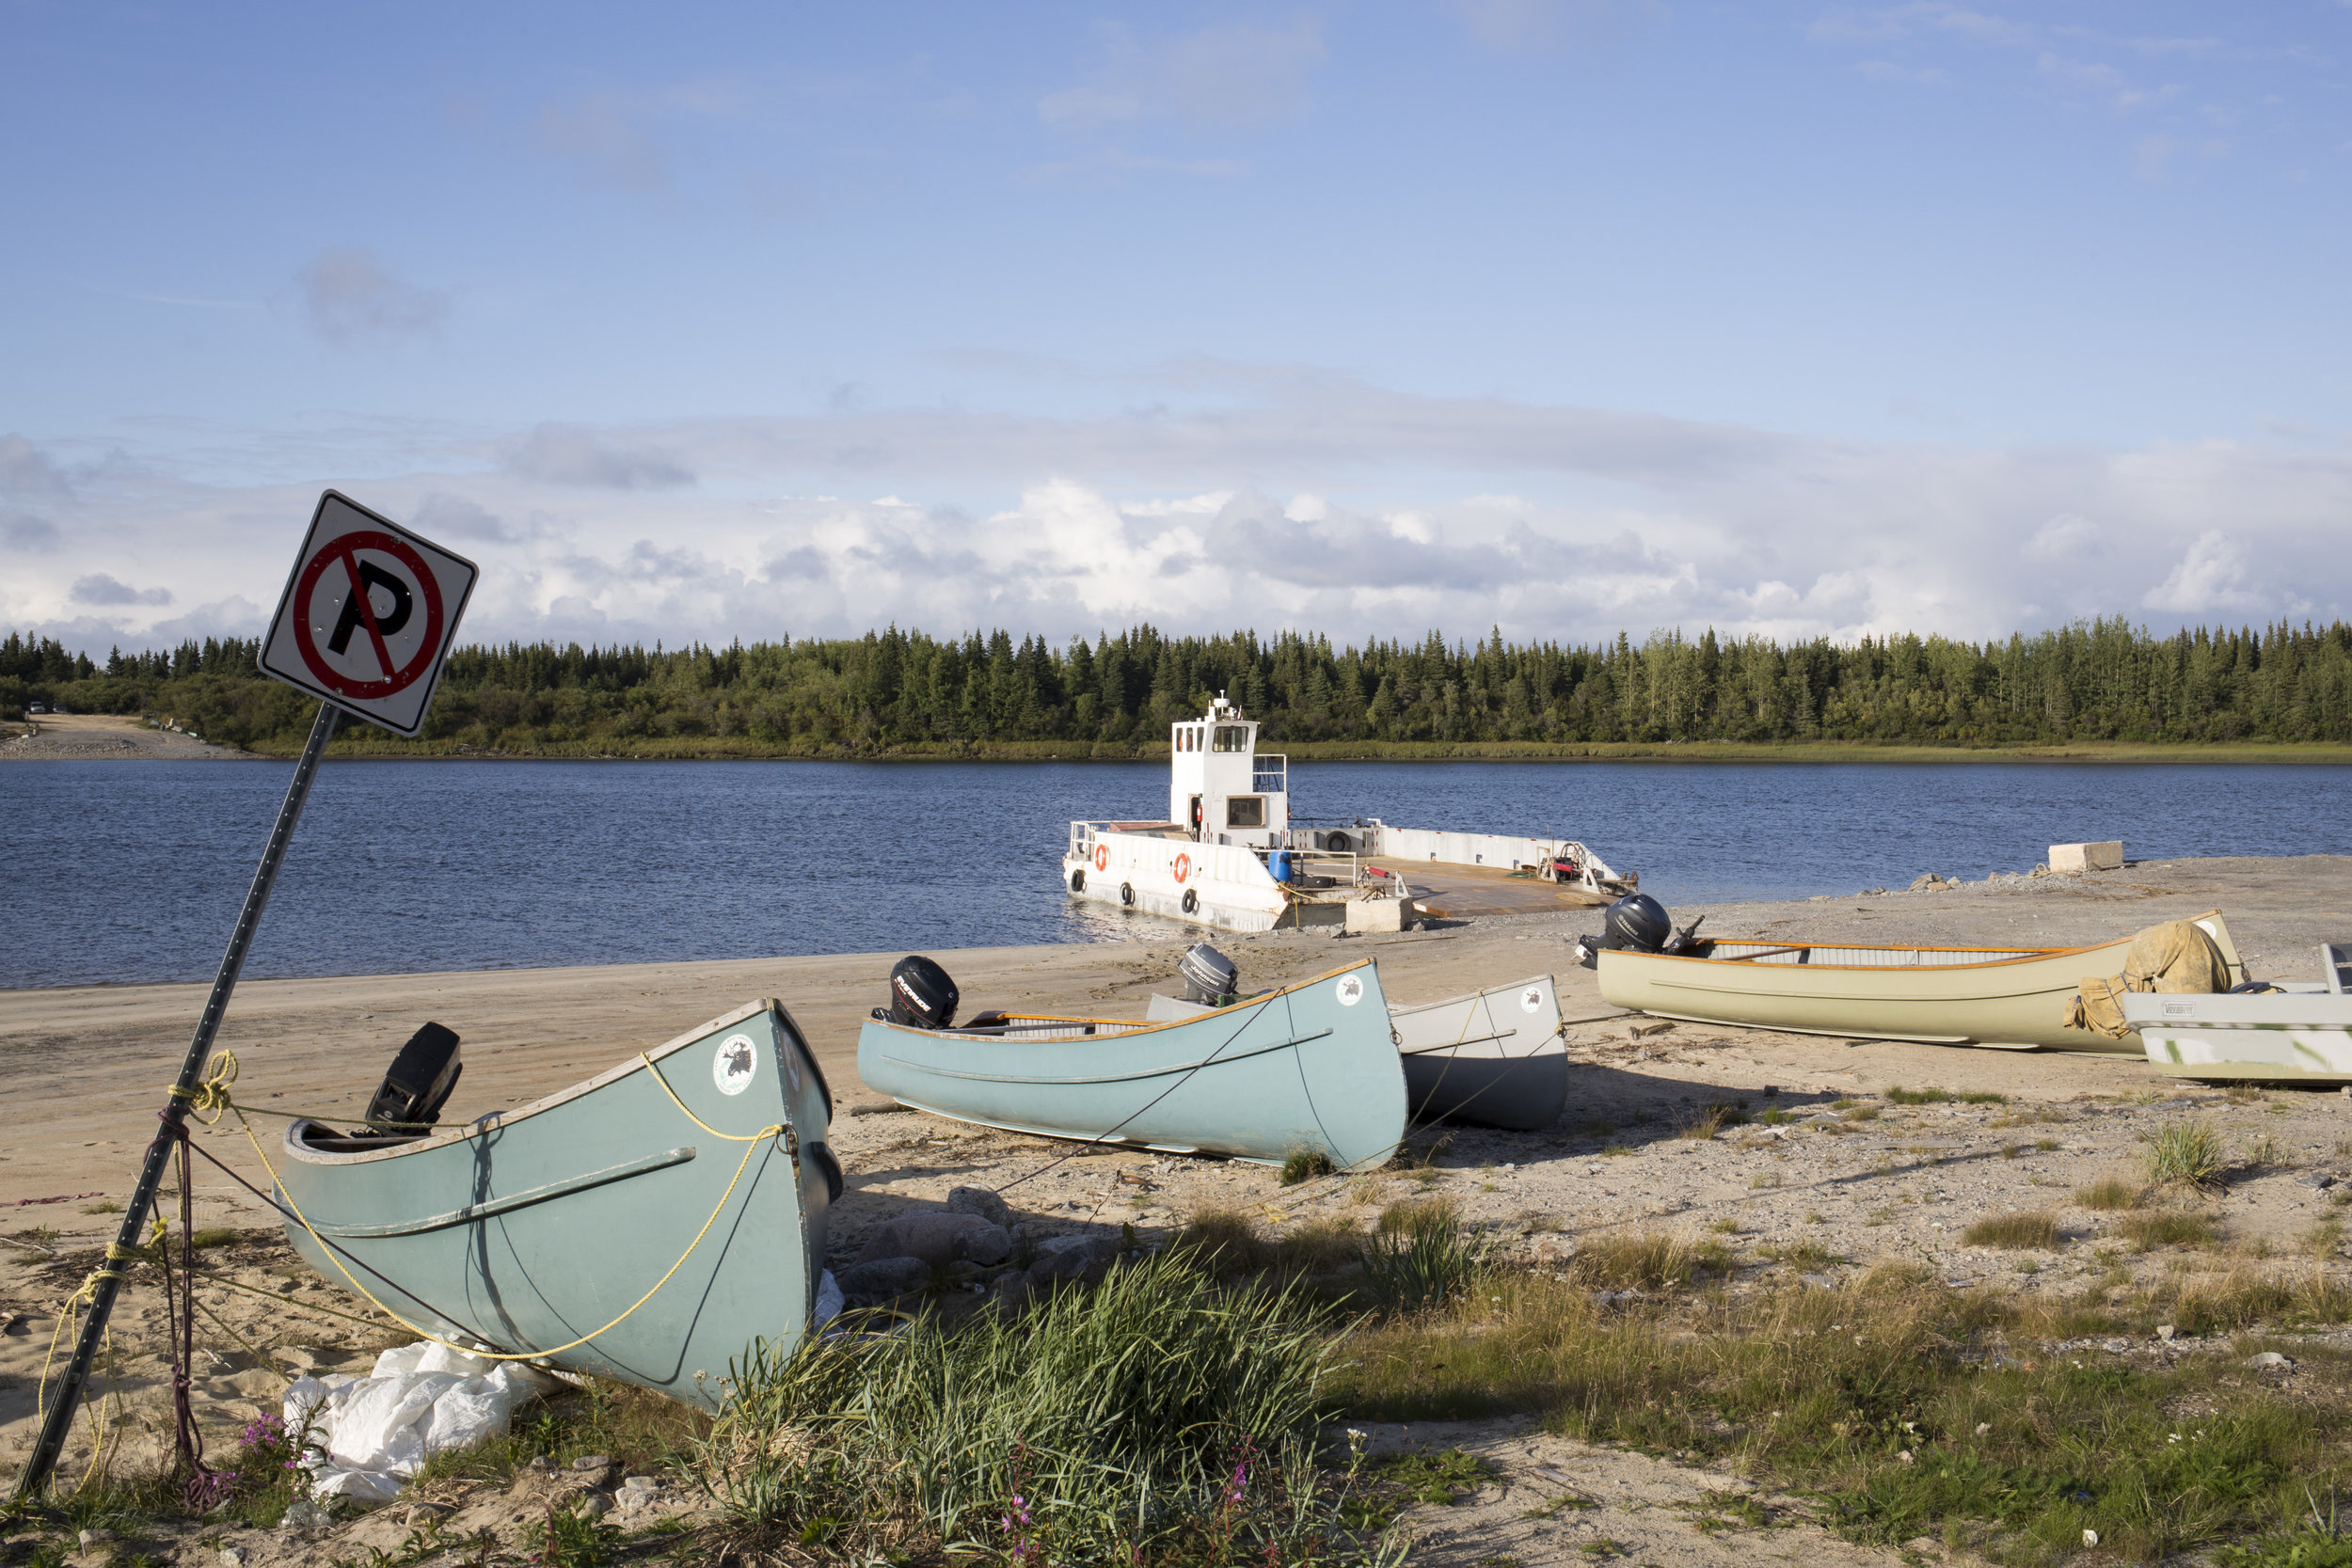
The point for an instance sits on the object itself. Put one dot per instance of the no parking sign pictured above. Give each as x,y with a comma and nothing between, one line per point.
368,615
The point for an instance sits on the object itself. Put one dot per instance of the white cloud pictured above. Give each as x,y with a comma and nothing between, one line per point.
2064,537
2209,577
349,297
1246,496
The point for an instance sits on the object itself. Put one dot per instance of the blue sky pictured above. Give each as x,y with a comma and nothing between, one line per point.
708,321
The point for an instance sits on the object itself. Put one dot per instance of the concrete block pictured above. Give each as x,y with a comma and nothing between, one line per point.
2105,855
1375,914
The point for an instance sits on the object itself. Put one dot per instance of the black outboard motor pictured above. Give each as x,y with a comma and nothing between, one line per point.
420,1080
1637,923
921,994
1634,924
1210,977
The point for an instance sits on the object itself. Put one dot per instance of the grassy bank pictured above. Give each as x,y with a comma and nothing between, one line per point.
357,741
1193,1410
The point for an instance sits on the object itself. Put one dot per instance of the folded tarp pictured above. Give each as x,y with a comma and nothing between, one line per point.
2178,955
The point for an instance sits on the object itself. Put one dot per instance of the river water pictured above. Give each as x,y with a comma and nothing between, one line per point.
127,872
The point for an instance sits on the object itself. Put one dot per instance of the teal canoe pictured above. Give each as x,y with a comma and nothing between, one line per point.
533,1230
1309,1069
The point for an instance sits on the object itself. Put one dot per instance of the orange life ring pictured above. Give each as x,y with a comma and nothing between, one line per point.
1101,857
1184,866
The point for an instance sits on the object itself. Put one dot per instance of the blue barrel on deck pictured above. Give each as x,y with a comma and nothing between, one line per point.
1280,863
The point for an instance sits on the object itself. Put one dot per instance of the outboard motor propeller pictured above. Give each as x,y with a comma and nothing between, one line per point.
921,994
1210,977
420,1080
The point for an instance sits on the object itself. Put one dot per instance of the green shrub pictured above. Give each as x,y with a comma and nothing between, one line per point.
2188,1154
1305,1165
1422,1256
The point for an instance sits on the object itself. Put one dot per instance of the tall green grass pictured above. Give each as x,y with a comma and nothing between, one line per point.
1159,1417
2188,1154
1422,1256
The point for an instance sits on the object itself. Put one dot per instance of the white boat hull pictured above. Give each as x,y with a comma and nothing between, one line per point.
2296,1033
1224,885
1494,1057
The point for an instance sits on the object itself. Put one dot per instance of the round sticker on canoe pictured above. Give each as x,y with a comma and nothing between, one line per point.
1531,999
1350,990
735,1065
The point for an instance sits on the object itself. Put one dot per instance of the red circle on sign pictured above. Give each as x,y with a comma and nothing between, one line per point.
345,550
1183,867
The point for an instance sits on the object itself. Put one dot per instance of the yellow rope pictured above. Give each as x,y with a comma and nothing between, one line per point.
211,1092
333,1257
70,1313
691,1117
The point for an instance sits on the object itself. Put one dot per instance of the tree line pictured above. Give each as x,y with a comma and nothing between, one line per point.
2101,680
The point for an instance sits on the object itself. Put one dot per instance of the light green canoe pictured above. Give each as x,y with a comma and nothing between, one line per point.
665,1227
2008,998
1309,1069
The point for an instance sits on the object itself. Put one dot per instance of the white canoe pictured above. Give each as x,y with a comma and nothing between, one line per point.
1493,1057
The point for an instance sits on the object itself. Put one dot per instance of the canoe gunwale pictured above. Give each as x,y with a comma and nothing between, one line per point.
1126,1029
498,1121
2019,954
1216,1058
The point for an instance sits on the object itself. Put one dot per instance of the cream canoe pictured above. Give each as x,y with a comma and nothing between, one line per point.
2008,998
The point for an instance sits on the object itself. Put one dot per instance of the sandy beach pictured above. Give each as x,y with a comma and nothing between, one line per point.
83,1071
103,737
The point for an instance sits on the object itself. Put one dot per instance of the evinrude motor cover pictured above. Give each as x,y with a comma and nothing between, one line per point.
1210,977
420,1080
921,994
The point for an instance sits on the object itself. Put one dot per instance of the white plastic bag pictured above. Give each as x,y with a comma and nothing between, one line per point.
370,1435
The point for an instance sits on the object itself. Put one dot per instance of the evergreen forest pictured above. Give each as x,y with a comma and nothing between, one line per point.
906,692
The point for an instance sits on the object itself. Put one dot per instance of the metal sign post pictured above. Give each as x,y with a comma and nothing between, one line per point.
350,556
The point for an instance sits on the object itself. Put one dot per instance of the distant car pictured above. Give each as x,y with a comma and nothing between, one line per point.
36,707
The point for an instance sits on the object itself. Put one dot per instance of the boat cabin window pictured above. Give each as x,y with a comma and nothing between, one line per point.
1245,811
1232,738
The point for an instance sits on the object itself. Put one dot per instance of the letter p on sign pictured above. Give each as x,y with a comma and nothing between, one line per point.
368,615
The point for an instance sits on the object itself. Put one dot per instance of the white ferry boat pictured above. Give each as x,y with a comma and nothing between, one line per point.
1231,854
